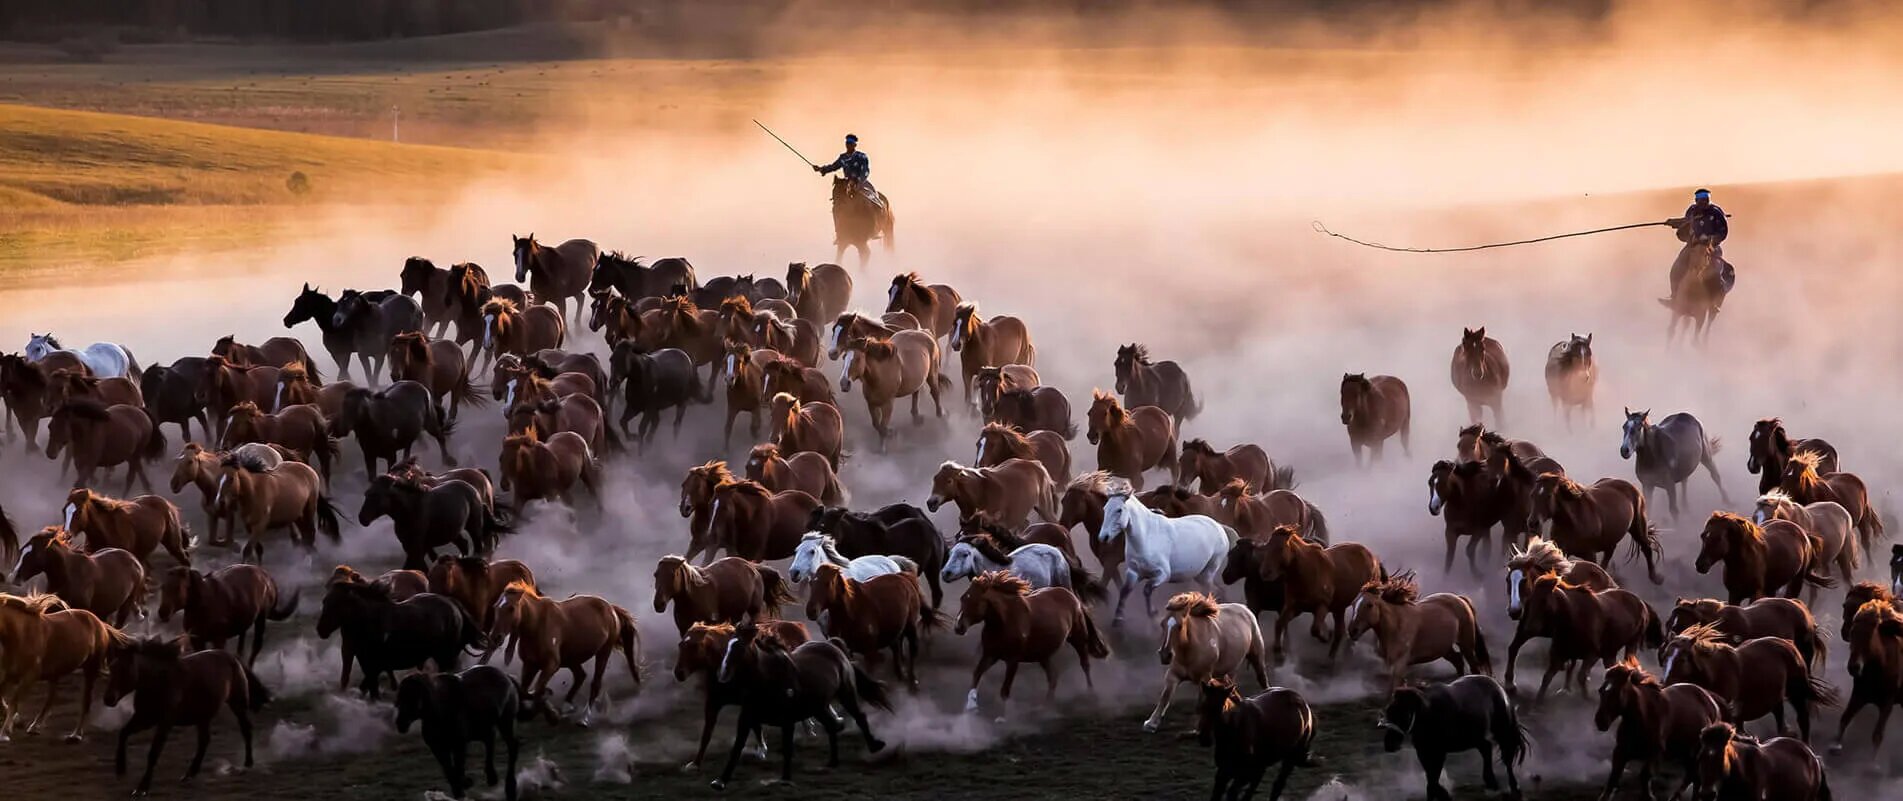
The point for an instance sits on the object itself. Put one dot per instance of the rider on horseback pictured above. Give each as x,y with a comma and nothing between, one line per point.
1703,224
857,169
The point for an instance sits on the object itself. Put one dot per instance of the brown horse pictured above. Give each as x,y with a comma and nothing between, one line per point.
1731,765
802,426
1772,449
507,329
1590,521
1170,500
1201,463
1082,503
1161,384
429,284
1318,581
295,386
137,526
1022,625
1476,444
1776,675
807,384
438,365
1700,292
1571,376
1257,516
577,414
852,325
1875,635
557,273
1480,372
1204,640
227,385
1538,559
1471,502
819,293
880,613
1656,723
275,350
697,501
475,583
1250,734
750,521
999,443
1806,485
1413,630
1374,409
224,604
564,635
1131,441
746,384
64,385
513,380
1035,409
798,339
728,590
23,385
806,472
291,495
681,324
1787,618
400,584
887,370
1006,494
100,436
169,688
703,647
991,382
411,471
547,471
41,640
109,583
1588,625
1759,561
1859,594
300,429
934,306
982,343
1828,521
464,291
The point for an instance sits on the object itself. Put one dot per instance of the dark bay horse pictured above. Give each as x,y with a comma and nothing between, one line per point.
1771,449
172,688
782,686
1656,723
856,221
1667,454
1469,713
557,273
1251,734
1480,372
1161,384
1571,376
1374,408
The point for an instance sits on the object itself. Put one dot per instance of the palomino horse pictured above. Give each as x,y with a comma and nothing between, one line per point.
728,590
934,306
438,365
1203,641
1008,493
1772,449
1256,516
1592,520
778,685
1468,713
1785,618
1731,765
1805,484
999,443
456,709
1201,463
109,582
1656,723
1571,376
801,426
426,517
291,495
557,273
807,472
702,647
41,640
990,382
1700,292
1875,635
172,688
1025,625
299,429
654,382
429,284
1162,384
1410,630
224,605
1251,734
817,549
818,293
138,526
553,636
1160,549
508,329
982,343
1588,625
880,613
1480,373
1039,564
1776,558
1316,580
1131,441
1667,454
99,436
1776,675
101,359
751,522
857,221
897,530
547,471
887,370
388,422
1374,408
807,384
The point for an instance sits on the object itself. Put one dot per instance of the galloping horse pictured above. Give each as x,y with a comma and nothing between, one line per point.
1203,641
1133,440
1024,625
1374,408
1160,549
1805,482
982,343
1571,376
1162,384
1480,372
857,221
1668,453
557,273
1699,294
1411,630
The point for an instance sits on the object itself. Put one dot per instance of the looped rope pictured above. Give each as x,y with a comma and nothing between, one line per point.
1323,229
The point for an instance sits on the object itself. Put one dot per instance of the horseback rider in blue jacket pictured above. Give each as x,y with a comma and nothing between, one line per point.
1703,224
857,169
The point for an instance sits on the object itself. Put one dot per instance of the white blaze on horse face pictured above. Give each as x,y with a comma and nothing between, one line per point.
73,509
215,498
488,331
971,700
508,397
845,368
981,449
22,561
733,365
1433,496
1670,659
277,399
1758,515
726,661
839,330
1354,613
1514,577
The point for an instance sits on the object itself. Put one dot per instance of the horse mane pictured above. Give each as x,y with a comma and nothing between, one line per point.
1119,487
500,307
245,409
84,408
1399,588
293,372
1777,497
1540,555
747,486
765,451
1743,526
1016,444
988,547
249,462
965,311
55,535
1809,460
37,604
1139,353
1872,589
1705,637
1635,674
1476,430
1003,581
522,587
715,469
916,285
1358,380
879,349
1199,446
1493,439
416,343
152,646
1196,603
1566,486
1093,481
1235,486
737,304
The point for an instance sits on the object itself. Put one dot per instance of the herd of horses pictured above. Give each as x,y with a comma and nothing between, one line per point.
266,457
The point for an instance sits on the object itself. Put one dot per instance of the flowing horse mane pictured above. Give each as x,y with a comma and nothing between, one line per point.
911,282
1741,526
500,307
737,305
1238,487
1705,638
745,485
1399,588
1119,487
1138,353
526,589
1565,485
1016,444
1002,581
715,469
1540,556
1195,603
249,462
1635,674
1809,460
1778,497
1873,590
1093,481
1199,446
36,604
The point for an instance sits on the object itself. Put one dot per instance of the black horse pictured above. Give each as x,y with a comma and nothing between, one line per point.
390,420
899,529
651,383
1469,713
635,280
1161,384
385,635
172,688
456,709
364,327
1250,734
783,687
23,386
429,517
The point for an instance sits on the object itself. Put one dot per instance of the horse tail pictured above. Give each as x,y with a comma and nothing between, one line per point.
1195,403
1093,639
1281,478
774,589
494,525
153,448
327,518
464,391
1654,628
284,610
178,533
1070,430
310,369
630,637
1483,662
944,382
834,489
905,565
1089,588
869,690
1713,445
1820,646
256,694
1317,523
1813,689
929,619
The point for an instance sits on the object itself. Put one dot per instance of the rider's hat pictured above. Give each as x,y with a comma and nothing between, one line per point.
852,139
1702,193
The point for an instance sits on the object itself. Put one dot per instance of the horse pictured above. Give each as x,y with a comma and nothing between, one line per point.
1859,594
1133,440
1667,454
389,421
1571,376
807,384
1374,408
425,518
880,613
896,530
1201,463
228,385
1038,564
465,290
745,380
801,426
385,635
1875,637
1158,549
1786,618
507,328
1315,579
798,339
934,306
1700,293
476,705
224,604
818,293
24,385
1772,449
905,365
727,590
477,477
1256,516
1470,502
851,325
401,584
474,582
66,384
1008,493
101,359
170,688
516,378
291,495
137,526
557,273
856,220
42,640
546,471
1082,503
999,443
1540,558
1759,560
299,429
1468,713
171,392
807,472
697,501
1251,734
110,582
778,685
371,320
628,276
1475,445
294,387
749,521
1480,373
1592,520
679,323
1203,641
991,382
982,343
1161,384
1776,675
553,636
100,436
1656,723
1805,484
575,413
429,284
701,649
1036,409
1731,765
1587,625
816,549
439,366
1411,630
654,382
1024,625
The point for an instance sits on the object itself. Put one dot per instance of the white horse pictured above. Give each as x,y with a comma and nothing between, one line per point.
817,549
1040,564
1158,549
104,359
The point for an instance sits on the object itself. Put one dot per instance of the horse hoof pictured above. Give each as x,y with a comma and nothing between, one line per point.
75,738
875,746
1837,750
718,785
1151,726
691,767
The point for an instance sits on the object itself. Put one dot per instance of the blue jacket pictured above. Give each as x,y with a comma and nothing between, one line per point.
1704,222
855,166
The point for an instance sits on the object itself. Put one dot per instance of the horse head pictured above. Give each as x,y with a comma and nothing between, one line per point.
1356,390
524,249
1636,432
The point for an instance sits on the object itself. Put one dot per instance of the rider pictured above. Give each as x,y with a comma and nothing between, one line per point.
1703,223
857,169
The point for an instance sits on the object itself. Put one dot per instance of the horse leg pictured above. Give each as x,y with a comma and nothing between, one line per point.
344,682
1883,721
1513,655
1453,539
257,641
1553,666
1431,763
1852,707
1170,683
1336,638
1618,771
1281,633
1473,411
1711,468
369,373
198,757
1224,776
1281,779
1123,594
1010,675
159,734
52,690
1149,596
1487,776
594,687
1473,549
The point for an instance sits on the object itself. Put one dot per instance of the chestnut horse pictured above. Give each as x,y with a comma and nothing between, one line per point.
1828,521
564,635
1588,625
933,306
999,443
41,640
799,427
1374,408
291,495
1204,640
1162,384
1256,516
745,380
1082,503
1131,441
1200,462
1471,502
807,472
1538,559
439,366
1656,723
807,384
982,343
275,350
905,365
881,613
1772,449
728,590
1007,494
227,385
1787,618
1776,675
295,386
1411,630
109,582
697,501
1035,408
751,522
400,584
1316,580
547,471
1806,485
852,325
138,526
300,429
1480,372
507,329
1571,376
1731,765
1759,561
1875,636
1024,625
1588,521
818,293
474,582
100,436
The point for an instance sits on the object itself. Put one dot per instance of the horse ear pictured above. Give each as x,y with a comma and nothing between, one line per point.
1588,337
307,286
1480,332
